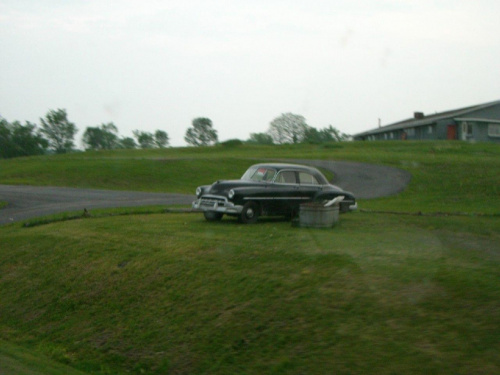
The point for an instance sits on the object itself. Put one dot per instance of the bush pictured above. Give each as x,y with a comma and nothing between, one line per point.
232,143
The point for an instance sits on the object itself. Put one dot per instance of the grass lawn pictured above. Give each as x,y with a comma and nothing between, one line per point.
171,293
18,360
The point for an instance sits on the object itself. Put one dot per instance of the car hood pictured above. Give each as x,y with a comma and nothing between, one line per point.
223,186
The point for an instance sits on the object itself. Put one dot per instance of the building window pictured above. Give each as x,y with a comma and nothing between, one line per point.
391,135
494,130
430,129
410,132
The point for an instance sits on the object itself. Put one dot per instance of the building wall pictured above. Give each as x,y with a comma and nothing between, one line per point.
472,131
419,133
427,132
442,128
478,131
490,138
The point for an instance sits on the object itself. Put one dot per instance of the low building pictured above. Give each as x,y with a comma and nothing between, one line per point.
476,123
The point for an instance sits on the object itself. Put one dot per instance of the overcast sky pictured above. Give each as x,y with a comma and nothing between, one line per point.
145,64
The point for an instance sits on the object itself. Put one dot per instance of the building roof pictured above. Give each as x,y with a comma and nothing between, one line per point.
427,119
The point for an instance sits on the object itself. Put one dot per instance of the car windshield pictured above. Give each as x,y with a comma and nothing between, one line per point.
259,174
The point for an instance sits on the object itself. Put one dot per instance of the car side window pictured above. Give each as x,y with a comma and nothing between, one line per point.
261,174
306,178
286,177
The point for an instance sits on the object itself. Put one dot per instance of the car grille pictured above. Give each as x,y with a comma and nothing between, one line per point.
212,201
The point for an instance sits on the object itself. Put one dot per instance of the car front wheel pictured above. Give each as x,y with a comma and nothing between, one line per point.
212,216
250,213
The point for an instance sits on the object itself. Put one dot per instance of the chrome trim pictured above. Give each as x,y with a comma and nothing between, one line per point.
215,203
218,197
275,198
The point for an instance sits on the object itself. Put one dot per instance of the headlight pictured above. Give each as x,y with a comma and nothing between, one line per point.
199,190
230,194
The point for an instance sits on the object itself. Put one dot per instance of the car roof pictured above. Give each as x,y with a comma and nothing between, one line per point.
296,167
280,166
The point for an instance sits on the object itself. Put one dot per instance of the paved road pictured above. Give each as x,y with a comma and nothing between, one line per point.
33,201
366,181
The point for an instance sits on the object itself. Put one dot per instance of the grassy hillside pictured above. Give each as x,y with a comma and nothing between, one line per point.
173,294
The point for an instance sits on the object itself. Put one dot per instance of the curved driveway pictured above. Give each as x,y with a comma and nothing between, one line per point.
366,181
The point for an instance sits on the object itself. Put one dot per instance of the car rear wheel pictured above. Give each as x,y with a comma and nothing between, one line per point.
212,215
250,213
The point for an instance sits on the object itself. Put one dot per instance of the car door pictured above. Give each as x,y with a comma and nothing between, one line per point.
286,192
309,186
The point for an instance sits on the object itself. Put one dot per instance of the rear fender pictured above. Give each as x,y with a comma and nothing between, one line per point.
327,196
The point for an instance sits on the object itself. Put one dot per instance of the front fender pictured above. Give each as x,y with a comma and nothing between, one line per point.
203,189
243,194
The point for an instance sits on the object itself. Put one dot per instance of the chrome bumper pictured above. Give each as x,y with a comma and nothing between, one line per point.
215,204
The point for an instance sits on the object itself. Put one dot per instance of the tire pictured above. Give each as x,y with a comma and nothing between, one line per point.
250,213
212,215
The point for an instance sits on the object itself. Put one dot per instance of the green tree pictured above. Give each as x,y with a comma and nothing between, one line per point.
331,134
201,133
127,143
20,140
144,139
7,149
161,139
58,130
288,128
104,137
312,135
260,139
28,139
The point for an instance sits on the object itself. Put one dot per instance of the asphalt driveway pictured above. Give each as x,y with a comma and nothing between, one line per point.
366,181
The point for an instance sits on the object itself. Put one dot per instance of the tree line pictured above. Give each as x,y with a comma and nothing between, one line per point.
56,135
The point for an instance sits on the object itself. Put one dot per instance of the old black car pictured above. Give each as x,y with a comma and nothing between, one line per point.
268,189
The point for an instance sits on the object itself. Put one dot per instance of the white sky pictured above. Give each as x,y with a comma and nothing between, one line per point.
146,64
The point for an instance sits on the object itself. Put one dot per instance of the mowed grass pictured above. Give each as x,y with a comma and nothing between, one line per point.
173,294
19,360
